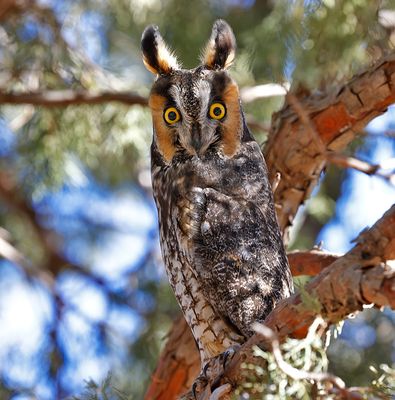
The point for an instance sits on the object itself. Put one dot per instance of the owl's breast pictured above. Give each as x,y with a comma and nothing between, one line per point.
243,176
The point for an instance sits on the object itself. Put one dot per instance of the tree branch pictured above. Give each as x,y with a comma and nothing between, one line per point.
61,98
363,166
336,117
49,240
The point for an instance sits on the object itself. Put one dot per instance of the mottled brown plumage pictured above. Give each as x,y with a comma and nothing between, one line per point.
219,235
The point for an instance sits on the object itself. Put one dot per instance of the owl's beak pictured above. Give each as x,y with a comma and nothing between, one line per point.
196,137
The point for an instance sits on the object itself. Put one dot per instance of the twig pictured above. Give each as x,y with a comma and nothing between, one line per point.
22,119
252,93
221,392
12,254
276,181
363,166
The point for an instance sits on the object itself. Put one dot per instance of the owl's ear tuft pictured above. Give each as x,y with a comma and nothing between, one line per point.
157,57
221,48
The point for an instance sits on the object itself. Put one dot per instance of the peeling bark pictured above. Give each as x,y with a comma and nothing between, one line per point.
178,366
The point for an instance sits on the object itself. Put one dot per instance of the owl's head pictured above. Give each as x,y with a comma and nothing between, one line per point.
194,110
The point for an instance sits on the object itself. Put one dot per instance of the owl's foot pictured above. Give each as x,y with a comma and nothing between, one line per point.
208,385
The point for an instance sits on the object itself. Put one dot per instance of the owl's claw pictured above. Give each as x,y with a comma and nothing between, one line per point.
210,376
228,355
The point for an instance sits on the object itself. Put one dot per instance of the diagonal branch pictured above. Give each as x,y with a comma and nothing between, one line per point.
337,117
363,166
48,239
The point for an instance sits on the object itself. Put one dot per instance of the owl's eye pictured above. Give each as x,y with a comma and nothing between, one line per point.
171,115
217,111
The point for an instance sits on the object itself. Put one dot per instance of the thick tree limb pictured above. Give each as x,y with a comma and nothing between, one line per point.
61,98
365,275
337,117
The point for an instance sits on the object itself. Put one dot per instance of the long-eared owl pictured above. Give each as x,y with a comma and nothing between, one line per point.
219,235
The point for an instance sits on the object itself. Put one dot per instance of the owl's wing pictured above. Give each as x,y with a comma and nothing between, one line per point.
236,251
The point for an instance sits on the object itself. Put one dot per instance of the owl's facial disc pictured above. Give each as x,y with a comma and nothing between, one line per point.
194,111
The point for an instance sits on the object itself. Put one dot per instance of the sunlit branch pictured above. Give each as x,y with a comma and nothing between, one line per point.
253,93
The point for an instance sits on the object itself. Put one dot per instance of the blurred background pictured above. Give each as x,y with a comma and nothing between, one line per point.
82,285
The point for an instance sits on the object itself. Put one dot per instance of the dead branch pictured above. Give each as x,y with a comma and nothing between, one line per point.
253,93
49,241
61,98
272,339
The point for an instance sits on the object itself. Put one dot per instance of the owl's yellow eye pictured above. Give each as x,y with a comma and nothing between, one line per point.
217,111
171,115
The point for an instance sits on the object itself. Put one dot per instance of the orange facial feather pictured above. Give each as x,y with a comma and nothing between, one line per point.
232,123
164,138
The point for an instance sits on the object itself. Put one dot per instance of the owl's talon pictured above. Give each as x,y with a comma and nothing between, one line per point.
205,369
228,355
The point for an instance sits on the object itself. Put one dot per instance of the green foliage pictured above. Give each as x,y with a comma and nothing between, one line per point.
322,40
